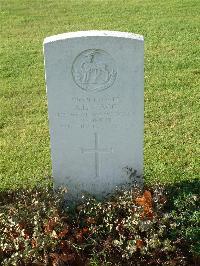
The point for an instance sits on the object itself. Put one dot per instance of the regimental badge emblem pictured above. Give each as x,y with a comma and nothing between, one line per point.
94,70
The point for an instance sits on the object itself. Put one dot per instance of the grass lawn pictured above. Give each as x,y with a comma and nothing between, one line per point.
171,29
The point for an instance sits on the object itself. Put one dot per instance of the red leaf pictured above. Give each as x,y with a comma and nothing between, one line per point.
139,243
49,226
146,202
34,243
63,233
85,230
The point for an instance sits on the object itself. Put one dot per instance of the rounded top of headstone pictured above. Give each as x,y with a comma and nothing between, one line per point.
93,33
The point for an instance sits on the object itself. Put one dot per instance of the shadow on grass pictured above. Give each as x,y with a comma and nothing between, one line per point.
183,203
182,189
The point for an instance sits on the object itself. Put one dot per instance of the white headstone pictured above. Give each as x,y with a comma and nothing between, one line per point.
95,102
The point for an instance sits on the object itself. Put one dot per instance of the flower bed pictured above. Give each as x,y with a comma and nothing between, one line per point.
156,226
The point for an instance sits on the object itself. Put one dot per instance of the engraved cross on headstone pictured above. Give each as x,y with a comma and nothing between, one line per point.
97,152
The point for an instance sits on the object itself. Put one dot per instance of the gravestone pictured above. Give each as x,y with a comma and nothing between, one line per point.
95,104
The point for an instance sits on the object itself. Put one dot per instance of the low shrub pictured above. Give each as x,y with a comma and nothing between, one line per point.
156,226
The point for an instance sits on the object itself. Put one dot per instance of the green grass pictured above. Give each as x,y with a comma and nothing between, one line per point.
172,76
